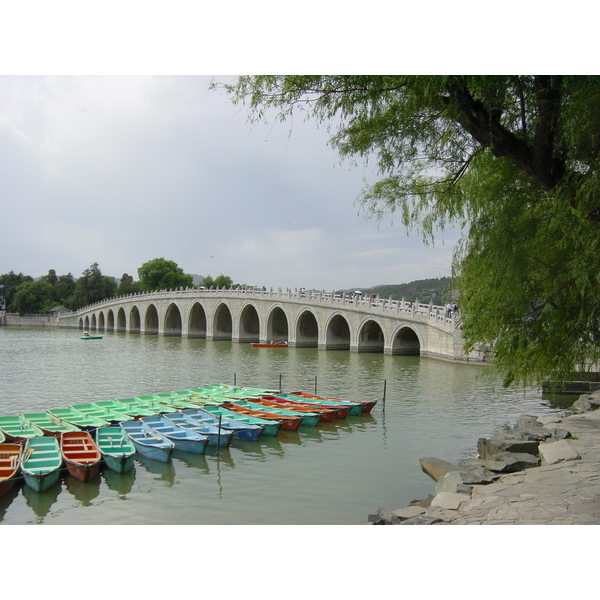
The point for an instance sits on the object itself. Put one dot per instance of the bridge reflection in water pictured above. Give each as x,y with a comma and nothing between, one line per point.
328,321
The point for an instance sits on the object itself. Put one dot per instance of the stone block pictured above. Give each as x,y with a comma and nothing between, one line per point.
408,512
487,448
436,468
509,462
449,501
454,482
559,451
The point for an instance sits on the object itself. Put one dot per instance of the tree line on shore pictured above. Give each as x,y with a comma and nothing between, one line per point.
25,294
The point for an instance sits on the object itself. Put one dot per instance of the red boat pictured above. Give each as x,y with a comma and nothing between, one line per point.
81,455
366,406
327,412
287,423
10,461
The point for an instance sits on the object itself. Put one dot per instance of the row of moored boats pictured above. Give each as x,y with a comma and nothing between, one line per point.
38,446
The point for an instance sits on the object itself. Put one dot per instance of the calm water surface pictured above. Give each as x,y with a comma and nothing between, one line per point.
332,474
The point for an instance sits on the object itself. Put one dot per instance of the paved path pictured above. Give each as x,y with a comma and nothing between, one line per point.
564,493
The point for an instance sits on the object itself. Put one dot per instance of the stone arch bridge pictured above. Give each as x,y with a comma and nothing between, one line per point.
327,321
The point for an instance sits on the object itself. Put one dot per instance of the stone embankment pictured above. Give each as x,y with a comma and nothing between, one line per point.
543,471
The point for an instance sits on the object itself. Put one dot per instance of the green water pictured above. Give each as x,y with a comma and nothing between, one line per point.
336,473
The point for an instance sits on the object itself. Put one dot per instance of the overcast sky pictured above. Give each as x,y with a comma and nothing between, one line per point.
119,169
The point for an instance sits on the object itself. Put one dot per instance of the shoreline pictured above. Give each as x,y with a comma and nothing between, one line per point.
544,471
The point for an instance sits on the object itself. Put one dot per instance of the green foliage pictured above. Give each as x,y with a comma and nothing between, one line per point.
9,283
222,281
436,290
32,297
92,287
161,274
127,285
513,161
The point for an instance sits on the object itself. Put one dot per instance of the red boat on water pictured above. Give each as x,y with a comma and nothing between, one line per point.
327,413
287,423
366,406
81,455
10,461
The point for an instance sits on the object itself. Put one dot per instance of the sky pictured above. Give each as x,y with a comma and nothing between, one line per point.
119,170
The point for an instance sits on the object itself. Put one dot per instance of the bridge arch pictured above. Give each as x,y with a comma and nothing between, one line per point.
101,321
307,329
337,333
406,340
197,321
277,324
249,324
110,320
121,320
93,324
151,320
173,321
135,321
223,323
370,337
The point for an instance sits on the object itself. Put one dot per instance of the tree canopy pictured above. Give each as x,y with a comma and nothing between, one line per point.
511,160
161,274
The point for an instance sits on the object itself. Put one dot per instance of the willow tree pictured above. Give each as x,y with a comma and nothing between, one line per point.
511,160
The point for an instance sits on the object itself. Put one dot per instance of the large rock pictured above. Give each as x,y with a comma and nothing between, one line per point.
509,462
454,482
436,468
587,402
559,451
487,448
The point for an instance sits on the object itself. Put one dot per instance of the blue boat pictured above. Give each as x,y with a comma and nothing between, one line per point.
184,439
270,427
220,438
241,431
148,442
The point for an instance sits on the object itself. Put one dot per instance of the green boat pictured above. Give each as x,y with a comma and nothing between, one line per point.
84,422
270,427
116,448
18,429
152,403
125,409
308,419
41,464
106,414
173,400
48,424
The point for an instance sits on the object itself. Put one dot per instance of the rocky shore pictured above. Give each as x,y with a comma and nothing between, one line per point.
544,470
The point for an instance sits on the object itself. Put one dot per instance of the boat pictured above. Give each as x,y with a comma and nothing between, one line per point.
49,425
41,463
183,438
101,412
342,409
133,409
116,449
79,419
10,462
282,345
309,419
87,336
366,406
217,437
241,430
173,402
327,414
17,429
2,438
148,442
270,427
81,455
287,423
157,408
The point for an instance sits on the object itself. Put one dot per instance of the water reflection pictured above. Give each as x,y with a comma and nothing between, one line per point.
122,483
42,502
164,470
7,499
84,491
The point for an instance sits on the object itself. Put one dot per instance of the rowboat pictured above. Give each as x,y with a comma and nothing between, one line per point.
287,423
120,406
41,463
2,438
354,408
343,409
10,462
149,403
327,414
184,439
87,336
270,427
101,412
240,430
309,419
148,442
366,406
217,437
84,422
50,425
116,449
81,455
18,429
172,401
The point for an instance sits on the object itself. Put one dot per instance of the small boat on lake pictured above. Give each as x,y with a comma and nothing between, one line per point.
133,408
217,437
82,421
148,442
81,455
101,412
184,439
287,423
309,419
327,414
17,429
342,409
10,463
41,463
366,406
116,449
87,336
241,430
270,426
50,425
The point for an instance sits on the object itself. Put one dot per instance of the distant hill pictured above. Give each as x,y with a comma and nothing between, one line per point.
437,289
197,279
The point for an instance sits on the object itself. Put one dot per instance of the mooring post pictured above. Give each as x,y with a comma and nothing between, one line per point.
384,390
315,385
234,379
280,382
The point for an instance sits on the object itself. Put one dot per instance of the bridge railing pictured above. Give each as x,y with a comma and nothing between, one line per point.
348,301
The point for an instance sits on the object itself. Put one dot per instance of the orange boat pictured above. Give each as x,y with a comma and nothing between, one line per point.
10,461
366,406
81,455
327,413
287,423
